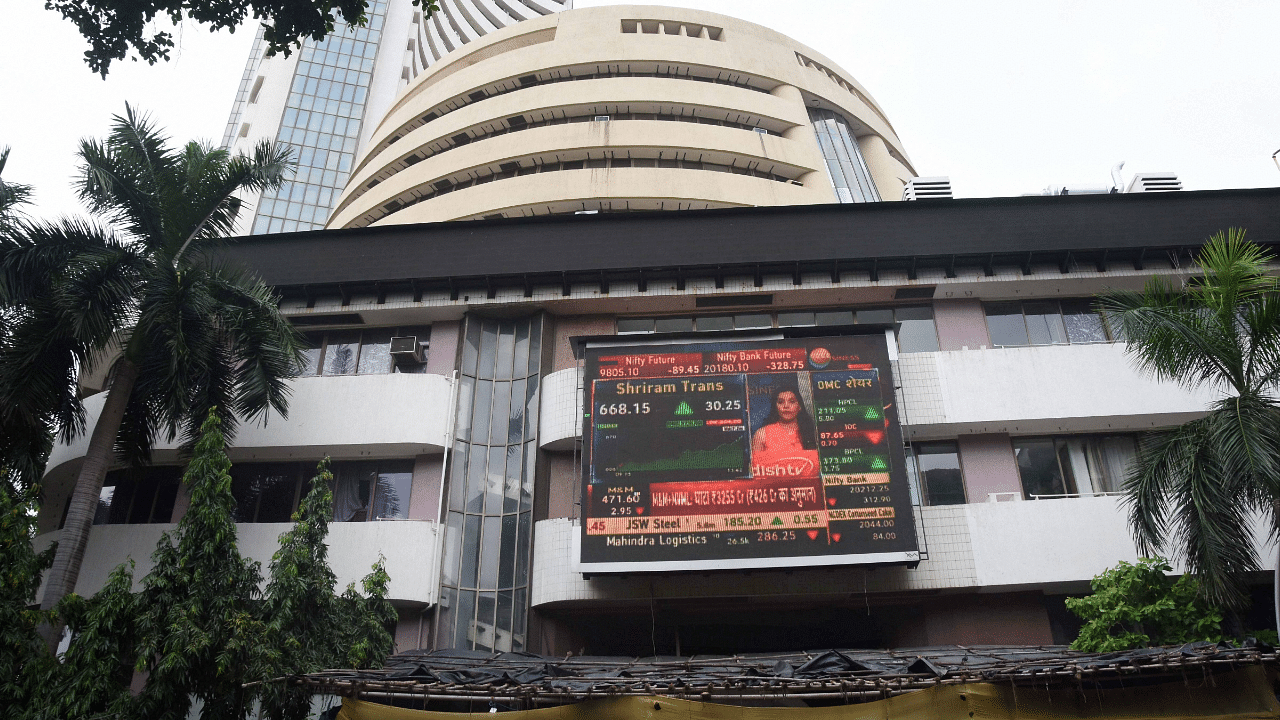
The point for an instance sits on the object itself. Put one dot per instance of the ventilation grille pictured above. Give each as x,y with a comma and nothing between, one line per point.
927,188
1154,182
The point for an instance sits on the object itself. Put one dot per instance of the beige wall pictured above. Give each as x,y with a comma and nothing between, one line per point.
788,79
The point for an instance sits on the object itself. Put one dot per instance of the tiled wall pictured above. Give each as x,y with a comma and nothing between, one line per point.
560,424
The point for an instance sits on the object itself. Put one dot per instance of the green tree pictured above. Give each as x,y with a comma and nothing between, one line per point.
200,627
116,27
1194,489
12,196
1137,605
24,660
193,334
310,627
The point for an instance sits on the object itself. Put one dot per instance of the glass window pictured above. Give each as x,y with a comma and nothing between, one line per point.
341,353
916,330
1040,467
794,319
1005,324
667,325
311,354
352,484
391,494
833,317
940,476
716,322
1083,324
1044,322
375,352
761,320
1111,460
875,316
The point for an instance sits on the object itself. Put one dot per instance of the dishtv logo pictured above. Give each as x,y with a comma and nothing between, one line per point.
820,357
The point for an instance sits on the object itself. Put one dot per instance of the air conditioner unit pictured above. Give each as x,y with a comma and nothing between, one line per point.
407,351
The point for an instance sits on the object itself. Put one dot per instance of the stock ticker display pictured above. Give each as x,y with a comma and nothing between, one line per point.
743,454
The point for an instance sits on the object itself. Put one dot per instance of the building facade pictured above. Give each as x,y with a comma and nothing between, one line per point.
462,466
633,108
324,100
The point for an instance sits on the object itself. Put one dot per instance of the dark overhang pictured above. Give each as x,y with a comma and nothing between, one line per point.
1069,233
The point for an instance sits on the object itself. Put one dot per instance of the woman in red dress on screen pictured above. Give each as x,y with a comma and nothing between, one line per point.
786,445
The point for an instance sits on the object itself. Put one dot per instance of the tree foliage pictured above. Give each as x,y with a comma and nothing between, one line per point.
200,626
1137,605
23,658
186,333
114,28
1194,489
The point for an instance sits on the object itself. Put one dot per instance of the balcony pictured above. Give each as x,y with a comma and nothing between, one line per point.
411,549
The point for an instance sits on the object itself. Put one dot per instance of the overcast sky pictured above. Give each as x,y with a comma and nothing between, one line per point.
1005,97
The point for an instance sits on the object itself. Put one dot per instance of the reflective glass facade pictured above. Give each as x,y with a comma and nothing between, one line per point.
242,93
485,572
848,170
321,122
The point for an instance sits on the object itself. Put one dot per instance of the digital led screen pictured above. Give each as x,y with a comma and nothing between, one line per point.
767,453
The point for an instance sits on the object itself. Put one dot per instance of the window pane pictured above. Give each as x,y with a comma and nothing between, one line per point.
452,546
523,537
1038,466
632,325
446,613
244,490
457,476
490,550
916,330
1074,461
1115,455
1044,323
466,394
375,352
391,495
743,322
1083,324
166,496
470,550
144,494
716,322
279,487
511,483
484,621
495,480
480,411
666,325
476,462
515,419
833,317
1005,324
506,570
105,496
506,349
526,489
340,354
311,355
471,347
499,414
939,465
875,317
535,344
488,348
791,319
521,367
531,406
518,620
465,619
351,493
504,620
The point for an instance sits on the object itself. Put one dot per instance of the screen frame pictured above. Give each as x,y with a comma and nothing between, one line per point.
909,558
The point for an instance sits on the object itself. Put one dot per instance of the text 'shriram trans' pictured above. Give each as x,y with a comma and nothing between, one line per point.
743,454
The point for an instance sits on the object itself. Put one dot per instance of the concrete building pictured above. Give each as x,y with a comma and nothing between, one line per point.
326,97
1018,405
633,108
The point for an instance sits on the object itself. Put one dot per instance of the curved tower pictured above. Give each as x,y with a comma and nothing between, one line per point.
624,108
317,99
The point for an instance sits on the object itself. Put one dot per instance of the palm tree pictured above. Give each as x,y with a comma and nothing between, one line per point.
1195,488
192,334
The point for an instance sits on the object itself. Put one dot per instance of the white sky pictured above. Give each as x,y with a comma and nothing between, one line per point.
1005,97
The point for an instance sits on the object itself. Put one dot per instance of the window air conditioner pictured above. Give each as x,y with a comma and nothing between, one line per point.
407,351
